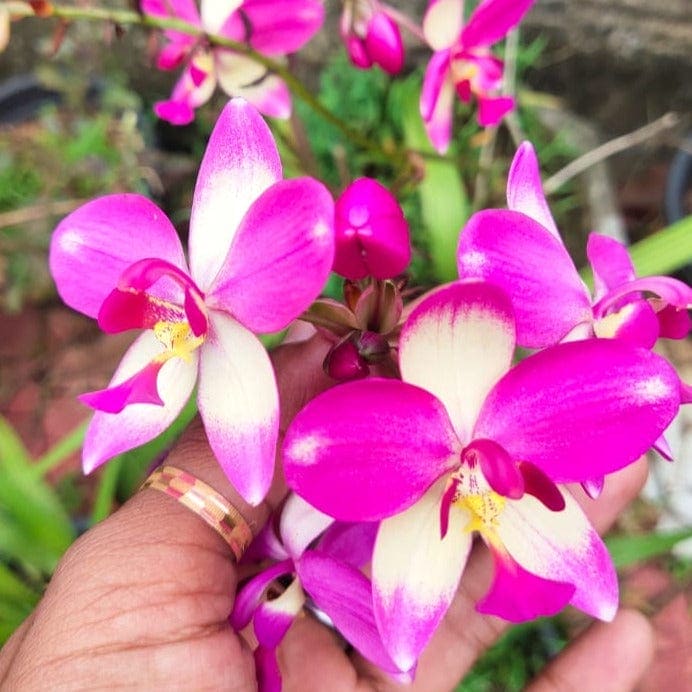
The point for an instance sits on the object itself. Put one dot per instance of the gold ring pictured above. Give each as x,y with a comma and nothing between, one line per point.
206,503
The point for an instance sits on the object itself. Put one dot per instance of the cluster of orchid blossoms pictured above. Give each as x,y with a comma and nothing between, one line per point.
432,434
462,63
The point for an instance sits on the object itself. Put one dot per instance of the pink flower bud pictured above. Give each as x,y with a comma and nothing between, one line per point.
372,236
344,363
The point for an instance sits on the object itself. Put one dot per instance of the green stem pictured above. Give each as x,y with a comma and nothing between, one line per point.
129,17
60,451
105,493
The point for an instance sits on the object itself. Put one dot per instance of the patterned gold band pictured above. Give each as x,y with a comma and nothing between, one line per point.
206,503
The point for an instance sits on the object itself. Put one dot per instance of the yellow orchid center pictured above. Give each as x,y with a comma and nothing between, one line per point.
178,340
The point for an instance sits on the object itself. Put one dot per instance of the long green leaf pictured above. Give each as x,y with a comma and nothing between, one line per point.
13,588
628,549
665,251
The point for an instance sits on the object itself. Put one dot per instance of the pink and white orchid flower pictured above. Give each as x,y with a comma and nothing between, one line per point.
521,251
462,63
260,251
467,444
272,28
326,576
371,232
371,36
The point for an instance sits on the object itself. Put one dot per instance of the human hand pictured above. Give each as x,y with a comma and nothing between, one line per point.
142,600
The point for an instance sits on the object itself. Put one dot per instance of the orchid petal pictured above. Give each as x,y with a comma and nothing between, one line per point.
415,574
442,23
456,344
497,466
267,667
517,254
280,258
593,487
517,595
239,405
610,262
581,409
437,76
175,112
357,54
265,545
92,246
361,465
524,189
112,433
439,125
215,13
383,43
345,595
635,323
491,109
492,20
673,323
301,524
250,595
282,28
241,161
671,291
273,618
271,97
563,547
349,543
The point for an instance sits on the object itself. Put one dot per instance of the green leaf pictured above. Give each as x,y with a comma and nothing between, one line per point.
445,206
665,251
13,588
31,510
629,549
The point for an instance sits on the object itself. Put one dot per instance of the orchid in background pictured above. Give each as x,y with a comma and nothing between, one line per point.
463,64
466,443
372,246
521,251
371,35
272,28
325,576
260,251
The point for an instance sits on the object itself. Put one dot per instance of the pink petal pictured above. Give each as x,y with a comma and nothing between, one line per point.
610,262
273,618
301,524
383,43
491,109
349,543
438,123
368,449
345,595
372,235
253,591
520,256
517,595
492,20
498,467
239,405
673,323
173,55
280,257
457,344
635,323
268,673
593,487
271,97
138,389
525,191
415,574
93,245
175,112
357,53
669,290
442,23
437,73
284,27
110,434
562,547
180,9
241,161
581,409
539,485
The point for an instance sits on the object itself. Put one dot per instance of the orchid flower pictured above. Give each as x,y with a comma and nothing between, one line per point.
260,251
371,36
465,444
463,64
272,28
326,577
521,251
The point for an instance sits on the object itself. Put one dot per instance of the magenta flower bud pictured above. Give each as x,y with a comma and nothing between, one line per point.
372,236
344,363
371,37
372,346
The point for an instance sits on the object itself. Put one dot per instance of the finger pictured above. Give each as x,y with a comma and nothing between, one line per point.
607,657
464,634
